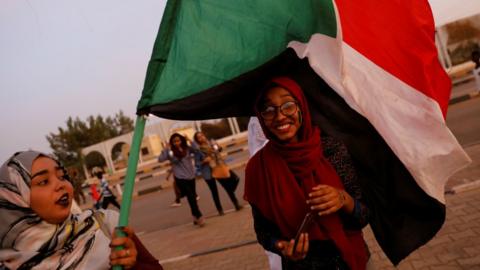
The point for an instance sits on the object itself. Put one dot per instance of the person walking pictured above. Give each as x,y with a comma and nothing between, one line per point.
178,195
208,157
107,195
96,197
182,158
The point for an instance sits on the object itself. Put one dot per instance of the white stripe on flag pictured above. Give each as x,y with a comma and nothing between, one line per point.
410,122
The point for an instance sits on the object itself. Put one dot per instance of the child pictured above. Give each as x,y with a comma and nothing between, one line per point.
95,195
107,195
39,231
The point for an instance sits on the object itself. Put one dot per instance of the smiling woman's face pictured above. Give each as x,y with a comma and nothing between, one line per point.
50,192
281,114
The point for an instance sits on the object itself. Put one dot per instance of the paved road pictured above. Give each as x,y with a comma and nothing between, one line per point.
153,212
456,246
463,119
464,88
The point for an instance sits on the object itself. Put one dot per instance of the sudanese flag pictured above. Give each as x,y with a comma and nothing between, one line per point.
369,69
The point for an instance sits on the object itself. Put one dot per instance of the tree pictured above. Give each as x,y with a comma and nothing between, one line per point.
68,142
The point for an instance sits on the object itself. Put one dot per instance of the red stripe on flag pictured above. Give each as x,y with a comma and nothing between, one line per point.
397,35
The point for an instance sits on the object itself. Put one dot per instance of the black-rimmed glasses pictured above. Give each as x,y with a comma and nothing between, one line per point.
288,108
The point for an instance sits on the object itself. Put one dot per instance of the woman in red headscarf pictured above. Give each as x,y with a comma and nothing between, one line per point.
301,171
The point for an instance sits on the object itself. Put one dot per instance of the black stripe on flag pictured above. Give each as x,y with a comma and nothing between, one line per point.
403,216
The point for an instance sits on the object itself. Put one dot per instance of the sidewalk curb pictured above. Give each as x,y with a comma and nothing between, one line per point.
208,251
464,97
463,187
471,144
211,250
157,188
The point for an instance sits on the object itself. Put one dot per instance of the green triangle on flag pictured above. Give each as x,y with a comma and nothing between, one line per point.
204,43
366,83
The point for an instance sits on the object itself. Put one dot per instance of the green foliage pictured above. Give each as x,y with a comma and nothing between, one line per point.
94,159
68,142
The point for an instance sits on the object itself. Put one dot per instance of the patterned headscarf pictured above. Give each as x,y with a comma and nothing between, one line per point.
28,242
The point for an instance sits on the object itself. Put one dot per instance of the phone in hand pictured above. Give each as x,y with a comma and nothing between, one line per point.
307,220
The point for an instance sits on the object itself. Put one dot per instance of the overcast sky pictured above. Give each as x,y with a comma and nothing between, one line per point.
70,58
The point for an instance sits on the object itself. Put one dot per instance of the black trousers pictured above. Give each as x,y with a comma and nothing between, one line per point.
179,194
187,187
109,200
214,190
230,185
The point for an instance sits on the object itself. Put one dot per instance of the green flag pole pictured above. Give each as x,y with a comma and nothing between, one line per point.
130,177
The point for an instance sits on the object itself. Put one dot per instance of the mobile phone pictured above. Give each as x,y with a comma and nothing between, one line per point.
307,220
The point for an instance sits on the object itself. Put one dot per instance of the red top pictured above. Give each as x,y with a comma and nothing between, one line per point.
95,194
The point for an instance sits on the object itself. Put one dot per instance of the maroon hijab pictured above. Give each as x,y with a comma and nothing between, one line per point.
279,177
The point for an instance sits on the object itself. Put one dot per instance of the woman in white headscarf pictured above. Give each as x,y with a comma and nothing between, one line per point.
38,229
